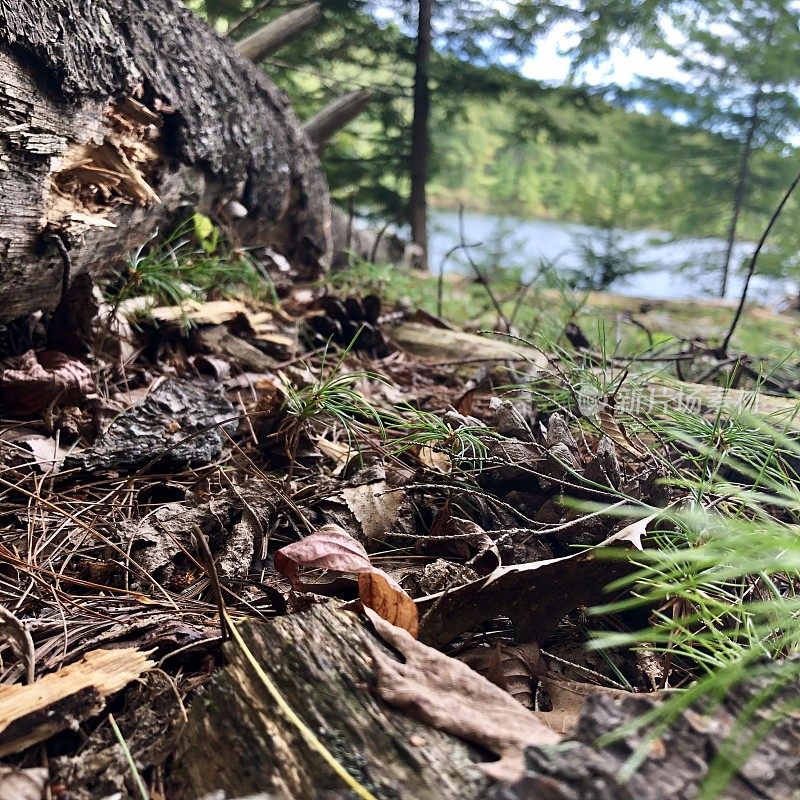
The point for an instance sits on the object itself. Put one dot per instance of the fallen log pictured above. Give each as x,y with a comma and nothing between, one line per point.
333,672
119,118
236,740
650,394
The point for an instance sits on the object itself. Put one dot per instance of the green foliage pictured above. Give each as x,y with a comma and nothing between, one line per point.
191,262
464,444
722,584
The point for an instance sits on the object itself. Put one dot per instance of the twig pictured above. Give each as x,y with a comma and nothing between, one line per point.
481,277
213,576
373,253
440,283
723,350
257,9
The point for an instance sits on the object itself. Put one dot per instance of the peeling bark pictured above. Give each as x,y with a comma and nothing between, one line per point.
121,117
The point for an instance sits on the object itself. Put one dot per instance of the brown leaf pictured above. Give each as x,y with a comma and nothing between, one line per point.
511,667
22,784
444,693
332,548
567,699
616,432
435,459
535,596
375,506
380,593
42,379
36,448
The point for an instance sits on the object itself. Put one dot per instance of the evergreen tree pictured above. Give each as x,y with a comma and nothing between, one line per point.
741,85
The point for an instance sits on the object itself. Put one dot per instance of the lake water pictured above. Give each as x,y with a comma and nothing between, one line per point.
675,269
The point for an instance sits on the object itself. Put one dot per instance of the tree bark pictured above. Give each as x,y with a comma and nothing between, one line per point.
238,741
119,118
420,142
741,184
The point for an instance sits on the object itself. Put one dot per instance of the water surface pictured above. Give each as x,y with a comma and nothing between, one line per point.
676,269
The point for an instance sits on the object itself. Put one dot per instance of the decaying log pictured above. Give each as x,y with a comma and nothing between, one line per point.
121,117
237,741
268,40
678,761
335,116
440,343
657,392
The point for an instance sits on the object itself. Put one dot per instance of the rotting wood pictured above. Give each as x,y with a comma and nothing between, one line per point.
121,118
647,394
429,342
320,661
266,41
33,713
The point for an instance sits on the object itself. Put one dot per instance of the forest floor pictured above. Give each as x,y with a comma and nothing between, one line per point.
596,506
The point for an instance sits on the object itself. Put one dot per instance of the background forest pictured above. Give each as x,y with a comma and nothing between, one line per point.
705,155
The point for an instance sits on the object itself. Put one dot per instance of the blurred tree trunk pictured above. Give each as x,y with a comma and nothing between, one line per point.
741,185
420,141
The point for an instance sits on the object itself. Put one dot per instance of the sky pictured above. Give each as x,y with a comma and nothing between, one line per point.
550,63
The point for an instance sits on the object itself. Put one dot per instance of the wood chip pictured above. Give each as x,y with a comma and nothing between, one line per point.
32,714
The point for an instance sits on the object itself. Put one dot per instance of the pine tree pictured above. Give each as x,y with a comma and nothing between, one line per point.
741,85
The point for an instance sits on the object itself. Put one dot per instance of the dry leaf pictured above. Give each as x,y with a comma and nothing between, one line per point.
511,667
444,693
374,506
44,451
435,459
23,784
42,379
567,699
535,596
616,432
332,548
377,591
338,452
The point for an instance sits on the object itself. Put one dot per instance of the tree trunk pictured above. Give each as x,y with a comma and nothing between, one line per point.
741,185
119,118
420,143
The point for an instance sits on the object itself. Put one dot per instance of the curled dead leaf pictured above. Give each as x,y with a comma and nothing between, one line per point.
535,596
511,667
380,593
332,548
617,433
42,379
447,694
